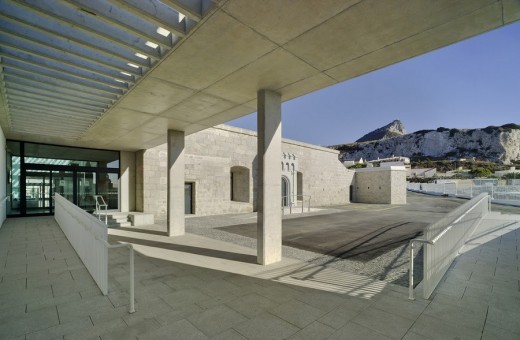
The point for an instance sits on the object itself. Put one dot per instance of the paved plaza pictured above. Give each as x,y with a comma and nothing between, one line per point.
195,287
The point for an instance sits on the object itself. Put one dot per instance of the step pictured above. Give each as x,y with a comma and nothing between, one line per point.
119,225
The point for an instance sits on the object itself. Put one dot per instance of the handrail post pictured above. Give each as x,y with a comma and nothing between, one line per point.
410,273
132,306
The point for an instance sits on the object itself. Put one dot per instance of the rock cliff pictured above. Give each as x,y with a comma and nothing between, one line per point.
496,144
394,129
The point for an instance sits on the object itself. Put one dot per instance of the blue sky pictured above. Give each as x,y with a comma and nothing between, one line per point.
474,83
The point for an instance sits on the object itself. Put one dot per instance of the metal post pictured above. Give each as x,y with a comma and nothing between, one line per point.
410,274
132,306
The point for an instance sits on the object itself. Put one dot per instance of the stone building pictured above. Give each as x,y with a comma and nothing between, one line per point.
221,174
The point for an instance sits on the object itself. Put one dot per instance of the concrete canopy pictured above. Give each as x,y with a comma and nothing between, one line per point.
210,69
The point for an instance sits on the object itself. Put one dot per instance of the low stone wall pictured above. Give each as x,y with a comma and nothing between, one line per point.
210,156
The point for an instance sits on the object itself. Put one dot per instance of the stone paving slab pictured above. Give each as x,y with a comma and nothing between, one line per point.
196,295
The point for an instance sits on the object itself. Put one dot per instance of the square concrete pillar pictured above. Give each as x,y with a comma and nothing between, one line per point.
175,183
127,181
269,227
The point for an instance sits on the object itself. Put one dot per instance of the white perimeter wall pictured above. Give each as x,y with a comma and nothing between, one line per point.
210,155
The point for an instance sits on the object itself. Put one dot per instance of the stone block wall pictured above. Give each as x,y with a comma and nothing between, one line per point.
210,155
325,179
380,185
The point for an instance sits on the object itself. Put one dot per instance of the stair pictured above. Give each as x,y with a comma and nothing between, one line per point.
115,219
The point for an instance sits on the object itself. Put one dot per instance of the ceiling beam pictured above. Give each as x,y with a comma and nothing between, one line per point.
71,133
60,68
194,9
57,83
16,26
156,12
59,89
24,31
82,25
34,90
112,14
67,57
55,100
49,117
64,110
15,99
43,72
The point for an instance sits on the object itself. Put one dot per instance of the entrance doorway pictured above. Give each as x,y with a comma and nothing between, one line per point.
188,198
286,200
38,171
38,193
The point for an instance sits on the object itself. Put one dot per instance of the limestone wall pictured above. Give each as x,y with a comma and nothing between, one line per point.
380,185
210,155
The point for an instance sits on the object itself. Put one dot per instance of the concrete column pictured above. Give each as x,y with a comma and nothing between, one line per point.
139,180
127,181
175,183
269,224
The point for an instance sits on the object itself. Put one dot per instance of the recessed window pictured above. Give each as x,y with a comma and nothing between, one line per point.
239,184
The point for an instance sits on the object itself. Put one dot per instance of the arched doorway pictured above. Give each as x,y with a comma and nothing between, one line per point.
285,192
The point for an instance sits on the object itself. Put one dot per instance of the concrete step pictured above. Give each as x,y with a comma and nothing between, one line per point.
119,225
115,219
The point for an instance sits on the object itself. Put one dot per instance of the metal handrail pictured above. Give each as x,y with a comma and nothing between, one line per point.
432,242
4,199
99,206
131,265
290,201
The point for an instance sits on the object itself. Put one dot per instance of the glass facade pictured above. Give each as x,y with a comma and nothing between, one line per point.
37,171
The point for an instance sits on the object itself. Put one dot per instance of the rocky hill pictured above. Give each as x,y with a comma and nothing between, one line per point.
493,143
394,129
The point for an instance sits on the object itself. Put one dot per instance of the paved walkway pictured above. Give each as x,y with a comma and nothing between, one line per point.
191,287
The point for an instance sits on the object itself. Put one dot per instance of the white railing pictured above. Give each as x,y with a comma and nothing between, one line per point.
508,194
288,201
443,239
89,238
100,203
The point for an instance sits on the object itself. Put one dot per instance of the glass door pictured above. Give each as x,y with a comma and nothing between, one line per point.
86,190
108,187
63,184
38,193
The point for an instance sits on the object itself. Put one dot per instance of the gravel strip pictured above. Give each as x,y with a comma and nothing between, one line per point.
391,266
